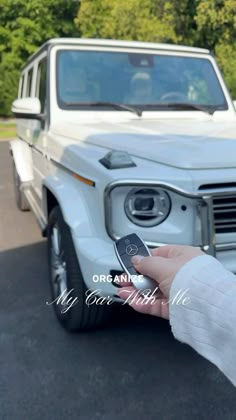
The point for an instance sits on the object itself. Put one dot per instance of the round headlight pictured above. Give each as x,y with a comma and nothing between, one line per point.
148,206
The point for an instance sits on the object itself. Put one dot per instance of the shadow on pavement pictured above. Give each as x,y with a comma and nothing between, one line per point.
132,369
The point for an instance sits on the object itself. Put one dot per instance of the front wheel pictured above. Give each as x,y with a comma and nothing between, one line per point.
66,280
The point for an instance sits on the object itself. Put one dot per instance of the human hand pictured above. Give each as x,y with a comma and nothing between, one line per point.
162,266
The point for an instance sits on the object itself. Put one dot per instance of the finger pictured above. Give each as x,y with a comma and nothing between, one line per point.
167,251
161,251
125,292
123,280
154,267
129,288
156,306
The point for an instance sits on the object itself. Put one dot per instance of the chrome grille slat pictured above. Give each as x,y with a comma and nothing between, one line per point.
220,206
224,210
224,213
225,221
226,226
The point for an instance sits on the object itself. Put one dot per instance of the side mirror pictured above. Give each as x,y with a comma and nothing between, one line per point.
28,108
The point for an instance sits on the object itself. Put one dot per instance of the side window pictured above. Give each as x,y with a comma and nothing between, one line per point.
21,87
41,83
29,82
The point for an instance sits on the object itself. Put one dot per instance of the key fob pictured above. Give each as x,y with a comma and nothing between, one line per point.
125,248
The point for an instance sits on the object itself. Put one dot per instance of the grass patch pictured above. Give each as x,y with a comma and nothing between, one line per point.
7,131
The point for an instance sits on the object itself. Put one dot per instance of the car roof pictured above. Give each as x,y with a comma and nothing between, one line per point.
116,44
125,44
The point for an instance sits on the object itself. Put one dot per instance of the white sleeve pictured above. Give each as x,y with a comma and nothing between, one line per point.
207,322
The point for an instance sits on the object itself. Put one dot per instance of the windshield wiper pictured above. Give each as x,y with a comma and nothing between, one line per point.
163,105
187,105
111,104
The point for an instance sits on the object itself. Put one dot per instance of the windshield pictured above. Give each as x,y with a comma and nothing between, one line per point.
145,81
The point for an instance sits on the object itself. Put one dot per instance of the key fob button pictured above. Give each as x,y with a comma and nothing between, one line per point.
142,251
134,239
126,259
126,248
121,246
128,244
132,271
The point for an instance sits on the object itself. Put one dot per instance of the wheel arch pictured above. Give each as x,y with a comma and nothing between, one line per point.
71,202
22,155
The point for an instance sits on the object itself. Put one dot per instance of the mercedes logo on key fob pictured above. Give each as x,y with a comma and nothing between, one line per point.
132,249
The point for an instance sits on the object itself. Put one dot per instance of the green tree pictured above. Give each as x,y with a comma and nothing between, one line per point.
204,23
126,19
180,14
143,20
24,26
216,23
226,57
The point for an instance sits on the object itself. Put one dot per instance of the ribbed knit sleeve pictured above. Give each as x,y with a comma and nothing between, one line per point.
207,320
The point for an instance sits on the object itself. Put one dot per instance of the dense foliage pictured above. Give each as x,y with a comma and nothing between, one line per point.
26,25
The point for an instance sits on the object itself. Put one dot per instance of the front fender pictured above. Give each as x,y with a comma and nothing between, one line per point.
72,203
22,156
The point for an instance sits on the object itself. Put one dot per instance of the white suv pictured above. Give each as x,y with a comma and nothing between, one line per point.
116,137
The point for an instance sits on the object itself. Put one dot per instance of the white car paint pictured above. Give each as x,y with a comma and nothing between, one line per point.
23,159
177,143
27,105
181,150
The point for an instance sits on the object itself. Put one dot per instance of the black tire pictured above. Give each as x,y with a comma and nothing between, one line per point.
21,200
81,316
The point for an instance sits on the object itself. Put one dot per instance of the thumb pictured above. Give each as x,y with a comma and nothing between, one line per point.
155,267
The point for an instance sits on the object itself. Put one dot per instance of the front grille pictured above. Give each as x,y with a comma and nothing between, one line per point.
224,212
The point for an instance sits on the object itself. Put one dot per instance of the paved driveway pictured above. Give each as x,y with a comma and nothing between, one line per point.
131,370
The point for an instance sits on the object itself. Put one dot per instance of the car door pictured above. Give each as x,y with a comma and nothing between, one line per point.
39,131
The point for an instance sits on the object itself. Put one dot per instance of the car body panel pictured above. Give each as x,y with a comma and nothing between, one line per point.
171,142
190,154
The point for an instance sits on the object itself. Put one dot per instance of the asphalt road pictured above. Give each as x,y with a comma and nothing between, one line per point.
133,369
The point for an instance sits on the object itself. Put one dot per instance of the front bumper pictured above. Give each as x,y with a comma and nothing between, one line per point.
97,259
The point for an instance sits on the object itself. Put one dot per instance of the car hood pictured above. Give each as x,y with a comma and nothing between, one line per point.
188,144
